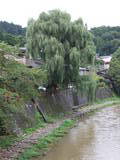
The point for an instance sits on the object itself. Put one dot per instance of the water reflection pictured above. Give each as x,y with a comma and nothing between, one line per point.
95,138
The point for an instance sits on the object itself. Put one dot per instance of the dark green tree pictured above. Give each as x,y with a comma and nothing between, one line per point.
61,43
12,28
107,39
12,34
114,70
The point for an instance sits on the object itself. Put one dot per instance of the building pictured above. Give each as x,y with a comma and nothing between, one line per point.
84,71
106,61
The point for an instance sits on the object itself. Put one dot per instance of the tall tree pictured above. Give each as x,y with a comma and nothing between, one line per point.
60,43
114,71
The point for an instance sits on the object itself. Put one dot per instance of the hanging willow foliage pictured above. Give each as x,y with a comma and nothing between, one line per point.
63,45
87,85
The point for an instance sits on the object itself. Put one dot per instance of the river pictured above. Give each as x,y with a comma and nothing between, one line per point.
96,137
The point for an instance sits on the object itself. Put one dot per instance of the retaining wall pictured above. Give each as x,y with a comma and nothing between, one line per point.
62,101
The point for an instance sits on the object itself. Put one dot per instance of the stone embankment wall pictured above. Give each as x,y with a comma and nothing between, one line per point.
62,101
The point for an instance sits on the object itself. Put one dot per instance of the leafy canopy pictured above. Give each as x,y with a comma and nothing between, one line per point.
114,70
107,39
62,44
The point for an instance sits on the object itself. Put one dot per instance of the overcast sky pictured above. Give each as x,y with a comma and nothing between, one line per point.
93,12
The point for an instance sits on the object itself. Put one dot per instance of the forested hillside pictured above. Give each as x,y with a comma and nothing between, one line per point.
12,34
107,39
12,28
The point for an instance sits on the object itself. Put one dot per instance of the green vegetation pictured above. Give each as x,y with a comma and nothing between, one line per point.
62,44
7,141
12,34
39,124
8,49
12,39
12,28
88,85
19,79
45,142
18,85
107,39
113,99
114,70
101,105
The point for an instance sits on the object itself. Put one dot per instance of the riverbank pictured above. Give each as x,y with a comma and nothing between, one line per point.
26,149
44,144
96,106
95,137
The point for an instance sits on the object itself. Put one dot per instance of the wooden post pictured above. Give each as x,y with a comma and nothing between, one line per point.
39,110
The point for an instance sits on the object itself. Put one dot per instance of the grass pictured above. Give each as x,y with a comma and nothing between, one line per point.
114,101
99,104
39,124
44,143
7,140
113,98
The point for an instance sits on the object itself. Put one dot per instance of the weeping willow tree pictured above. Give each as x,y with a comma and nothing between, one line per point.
62,44
87,84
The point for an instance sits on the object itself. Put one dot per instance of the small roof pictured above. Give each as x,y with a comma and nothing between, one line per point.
107,59
23,48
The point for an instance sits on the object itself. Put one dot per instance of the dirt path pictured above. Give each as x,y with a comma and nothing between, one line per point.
12,152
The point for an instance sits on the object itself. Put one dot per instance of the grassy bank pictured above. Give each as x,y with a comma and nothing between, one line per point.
44,143
97,106
8,140
113,98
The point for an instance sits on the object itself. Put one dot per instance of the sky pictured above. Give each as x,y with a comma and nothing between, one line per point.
93,12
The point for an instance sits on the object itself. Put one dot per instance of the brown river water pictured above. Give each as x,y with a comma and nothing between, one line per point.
96,137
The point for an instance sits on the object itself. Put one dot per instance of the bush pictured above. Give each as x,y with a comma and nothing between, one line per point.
18,85
8,48
21,80
114,70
